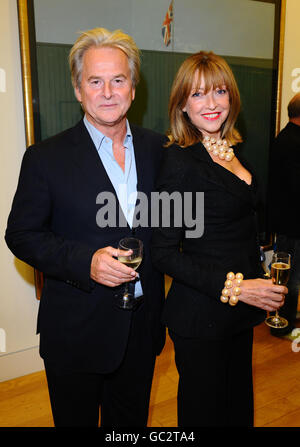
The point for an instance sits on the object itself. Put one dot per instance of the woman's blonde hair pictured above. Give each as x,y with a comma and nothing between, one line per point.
101,37
216,73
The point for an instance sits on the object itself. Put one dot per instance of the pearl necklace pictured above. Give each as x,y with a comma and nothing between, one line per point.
219,148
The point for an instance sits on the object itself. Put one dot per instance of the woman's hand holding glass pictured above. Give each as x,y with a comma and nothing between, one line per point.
262,293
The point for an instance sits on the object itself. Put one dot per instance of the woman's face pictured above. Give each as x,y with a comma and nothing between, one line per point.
207,111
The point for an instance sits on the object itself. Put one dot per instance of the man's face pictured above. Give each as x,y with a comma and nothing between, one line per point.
106,91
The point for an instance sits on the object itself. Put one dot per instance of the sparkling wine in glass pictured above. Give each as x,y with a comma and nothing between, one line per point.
126,299
280,272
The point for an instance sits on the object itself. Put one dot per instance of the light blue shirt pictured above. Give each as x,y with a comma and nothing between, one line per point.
124,182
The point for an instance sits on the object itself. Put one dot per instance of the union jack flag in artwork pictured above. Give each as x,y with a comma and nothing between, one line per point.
166,26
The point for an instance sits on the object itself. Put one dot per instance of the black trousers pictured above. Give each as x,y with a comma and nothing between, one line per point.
215,381
122,395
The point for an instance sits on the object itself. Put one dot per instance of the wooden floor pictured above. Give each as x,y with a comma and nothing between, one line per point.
24,401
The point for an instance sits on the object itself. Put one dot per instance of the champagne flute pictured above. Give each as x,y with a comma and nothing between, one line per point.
280,272
126,299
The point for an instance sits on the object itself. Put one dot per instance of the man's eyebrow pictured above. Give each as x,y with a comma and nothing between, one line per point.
93,77
121,75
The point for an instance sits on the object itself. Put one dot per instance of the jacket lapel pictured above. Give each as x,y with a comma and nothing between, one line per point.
87,158
140,155
88,161
215,173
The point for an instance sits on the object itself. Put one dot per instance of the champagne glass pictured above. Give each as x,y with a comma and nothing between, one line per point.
126,299
280,272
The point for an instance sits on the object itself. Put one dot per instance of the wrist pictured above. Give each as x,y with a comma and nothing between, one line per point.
232,288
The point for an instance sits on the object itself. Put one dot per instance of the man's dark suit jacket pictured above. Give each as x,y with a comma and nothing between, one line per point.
285,182
52,226
199,266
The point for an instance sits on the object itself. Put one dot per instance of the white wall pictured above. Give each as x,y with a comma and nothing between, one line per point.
228,27
18,305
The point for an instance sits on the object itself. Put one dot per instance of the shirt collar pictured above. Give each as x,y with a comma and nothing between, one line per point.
98,136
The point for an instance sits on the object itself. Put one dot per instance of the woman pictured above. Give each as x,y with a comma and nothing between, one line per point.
210,311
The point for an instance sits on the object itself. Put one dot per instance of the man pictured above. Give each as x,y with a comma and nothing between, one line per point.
94,353
284,195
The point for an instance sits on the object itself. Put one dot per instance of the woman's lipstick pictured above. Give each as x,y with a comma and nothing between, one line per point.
211,116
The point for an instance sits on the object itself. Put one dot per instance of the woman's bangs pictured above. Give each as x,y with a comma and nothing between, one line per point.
213,77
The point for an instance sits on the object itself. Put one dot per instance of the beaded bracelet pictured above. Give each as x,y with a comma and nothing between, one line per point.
228,285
